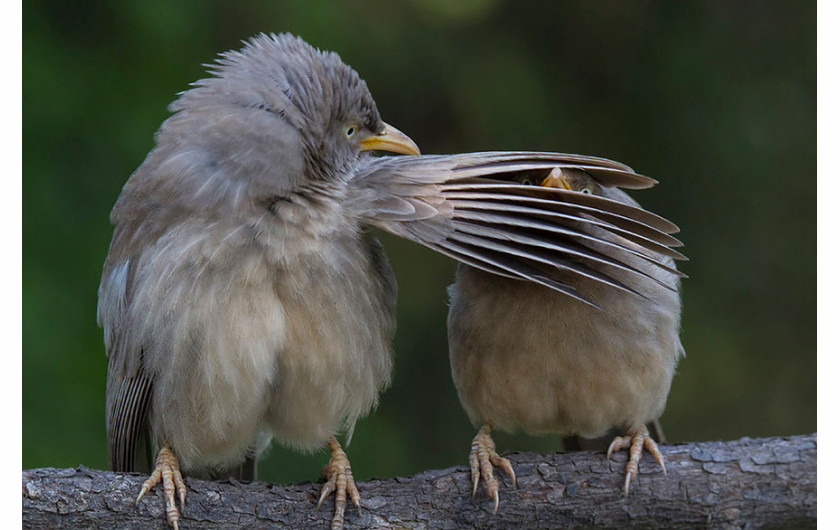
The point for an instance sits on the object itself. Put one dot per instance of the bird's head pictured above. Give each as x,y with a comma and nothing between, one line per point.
276,115
572,179
575,179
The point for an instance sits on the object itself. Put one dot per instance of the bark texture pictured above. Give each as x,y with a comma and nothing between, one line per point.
747,483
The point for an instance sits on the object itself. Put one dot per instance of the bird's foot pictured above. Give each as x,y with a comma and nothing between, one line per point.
339,479
637,440
483,458
167,471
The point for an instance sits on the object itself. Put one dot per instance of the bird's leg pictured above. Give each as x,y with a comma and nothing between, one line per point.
167,471
637,439
483,458
339,479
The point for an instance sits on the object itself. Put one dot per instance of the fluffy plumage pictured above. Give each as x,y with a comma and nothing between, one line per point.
242,299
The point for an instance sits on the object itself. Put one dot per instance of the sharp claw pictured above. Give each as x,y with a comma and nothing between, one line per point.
504,463
143,491
653,449
619,443
355,497
328,488
150,482
662,466
495,501
182,488
474,473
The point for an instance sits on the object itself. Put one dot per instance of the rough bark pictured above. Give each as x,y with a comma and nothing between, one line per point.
749,483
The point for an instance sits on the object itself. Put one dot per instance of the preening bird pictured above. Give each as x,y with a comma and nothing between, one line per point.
242,298
527,358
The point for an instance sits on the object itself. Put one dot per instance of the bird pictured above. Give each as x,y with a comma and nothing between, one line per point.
528,359
245,299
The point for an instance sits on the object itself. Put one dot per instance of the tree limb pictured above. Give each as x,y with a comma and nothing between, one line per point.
745,483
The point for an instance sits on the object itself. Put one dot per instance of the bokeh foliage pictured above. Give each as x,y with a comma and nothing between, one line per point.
716,99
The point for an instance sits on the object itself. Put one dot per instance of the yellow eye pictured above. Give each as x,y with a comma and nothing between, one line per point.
350,131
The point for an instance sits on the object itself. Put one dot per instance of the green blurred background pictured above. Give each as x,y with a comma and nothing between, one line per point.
716,99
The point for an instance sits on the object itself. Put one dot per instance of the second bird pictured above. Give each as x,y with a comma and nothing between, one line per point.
527,358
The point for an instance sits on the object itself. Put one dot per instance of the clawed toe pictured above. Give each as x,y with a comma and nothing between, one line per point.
339,479
636,440
483,459
167,471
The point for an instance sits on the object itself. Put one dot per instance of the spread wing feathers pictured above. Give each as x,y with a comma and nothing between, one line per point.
606,172
469,208
647,223
517,247
496,263
513,224
504,206
534,247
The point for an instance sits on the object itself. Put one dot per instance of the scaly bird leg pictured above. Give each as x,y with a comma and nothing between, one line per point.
483,457
167,470
637,439
339,479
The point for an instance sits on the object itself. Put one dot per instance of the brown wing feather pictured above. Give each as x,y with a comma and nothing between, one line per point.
469,207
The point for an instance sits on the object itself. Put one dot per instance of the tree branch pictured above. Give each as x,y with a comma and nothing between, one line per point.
748,482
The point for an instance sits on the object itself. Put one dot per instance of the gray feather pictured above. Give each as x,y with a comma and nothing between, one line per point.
474,195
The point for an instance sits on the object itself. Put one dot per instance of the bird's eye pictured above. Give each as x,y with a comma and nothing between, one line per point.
586,191
526,182
350,131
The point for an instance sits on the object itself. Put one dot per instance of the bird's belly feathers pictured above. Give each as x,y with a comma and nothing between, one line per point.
212,348
541,362
242,347
337,354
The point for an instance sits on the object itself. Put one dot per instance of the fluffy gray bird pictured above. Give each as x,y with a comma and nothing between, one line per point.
242,299
526,358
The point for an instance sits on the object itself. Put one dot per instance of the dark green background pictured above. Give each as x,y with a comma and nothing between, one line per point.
716,99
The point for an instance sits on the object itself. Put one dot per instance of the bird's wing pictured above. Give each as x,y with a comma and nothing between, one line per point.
469,207
128,386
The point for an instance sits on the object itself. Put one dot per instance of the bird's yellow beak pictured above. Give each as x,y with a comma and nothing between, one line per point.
555,179
392,140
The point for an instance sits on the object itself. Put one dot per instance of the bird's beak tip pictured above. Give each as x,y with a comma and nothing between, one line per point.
555,179
392,140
